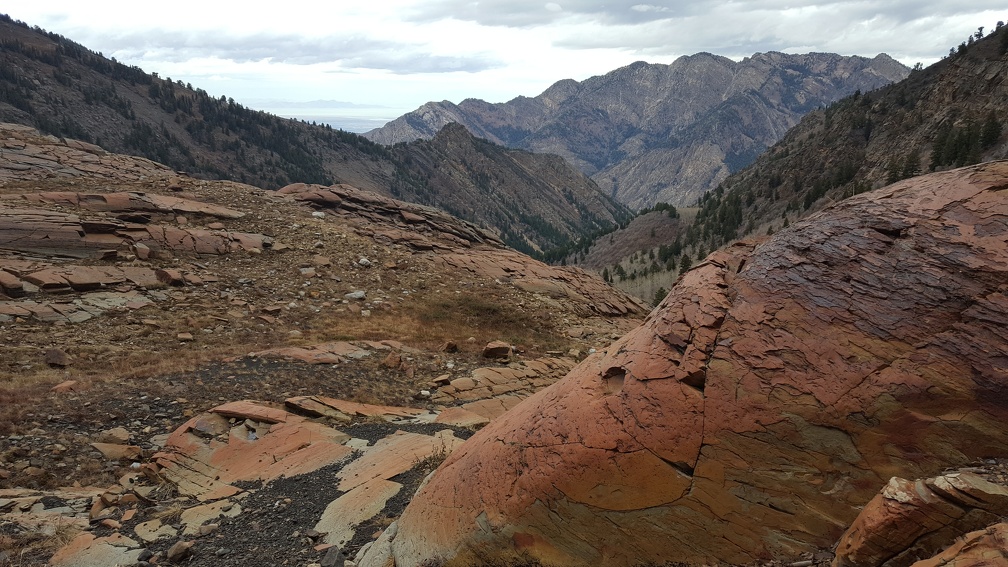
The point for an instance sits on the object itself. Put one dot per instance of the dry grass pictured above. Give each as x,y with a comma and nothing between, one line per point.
31,547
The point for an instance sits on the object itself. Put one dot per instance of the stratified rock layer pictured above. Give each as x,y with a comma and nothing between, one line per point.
767,399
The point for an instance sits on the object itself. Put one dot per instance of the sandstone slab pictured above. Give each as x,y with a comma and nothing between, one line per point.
355,507
281,444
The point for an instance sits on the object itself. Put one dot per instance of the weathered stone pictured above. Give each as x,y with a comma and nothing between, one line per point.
57,358
982,548
759,408
117,452
497,349
116,435
911,519
179,551
170,276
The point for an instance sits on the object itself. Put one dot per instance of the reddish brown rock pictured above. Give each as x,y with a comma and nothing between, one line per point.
11,285
344,410
497,349
179,551
117,452
911,519
982,548
170,276
754,414
263,444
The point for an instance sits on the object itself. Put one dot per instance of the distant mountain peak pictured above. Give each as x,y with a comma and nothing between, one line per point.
651,132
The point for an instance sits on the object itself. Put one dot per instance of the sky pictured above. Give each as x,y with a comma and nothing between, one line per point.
357,65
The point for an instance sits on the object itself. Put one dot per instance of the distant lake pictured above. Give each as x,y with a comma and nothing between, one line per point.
356,124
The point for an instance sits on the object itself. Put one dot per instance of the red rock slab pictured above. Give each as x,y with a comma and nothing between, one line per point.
343,409
326,353
129,202
983,548
251,410
142,277
461,417
492,408
11,285
395,455
180,205
48,279
86,550
757,410
205,468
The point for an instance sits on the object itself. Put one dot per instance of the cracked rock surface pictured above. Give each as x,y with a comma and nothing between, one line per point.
769,397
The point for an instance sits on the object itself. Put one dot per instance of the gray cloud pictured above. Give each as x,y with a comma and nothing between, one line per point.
531,13
735,29
350,52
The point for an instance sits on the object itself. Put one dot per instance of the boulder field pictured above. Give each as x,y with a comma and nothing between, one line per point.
771,395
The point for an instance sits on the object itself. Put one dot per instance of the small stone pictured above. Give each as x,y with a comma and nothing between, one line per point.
355,295
185,336
449,347
497,349
393,360
170,277
119,435
333,558
56,358
222,551
364,262
179,551
142,251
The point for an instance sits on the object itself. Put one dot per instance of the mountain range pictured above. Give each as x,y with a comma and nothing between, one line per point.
534,202
650,133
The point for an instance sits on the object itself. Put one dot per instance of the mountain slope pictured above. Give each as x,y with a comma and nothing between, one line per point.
651,132
948,115
62,88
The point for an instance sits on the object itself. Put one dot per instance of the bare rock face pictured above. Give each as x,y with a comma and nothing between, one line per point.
636,128
911,519
762,404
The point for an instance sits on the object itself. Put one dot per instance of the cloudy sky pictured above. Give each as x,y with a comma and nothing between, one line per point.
358,64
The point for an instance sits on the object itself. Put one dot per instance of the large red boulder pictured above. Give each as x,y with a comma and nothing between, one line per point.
769,397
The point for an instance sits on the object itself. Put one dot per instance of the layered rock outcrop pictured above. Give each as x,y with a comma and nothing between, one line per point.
912,519
761,405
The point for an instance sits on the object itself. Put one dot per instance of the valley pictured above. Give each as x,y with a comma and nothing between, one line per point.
232,339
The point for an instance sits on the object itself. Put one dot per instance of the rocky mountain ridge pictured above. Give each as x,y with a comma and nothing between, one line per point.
651,132
533,202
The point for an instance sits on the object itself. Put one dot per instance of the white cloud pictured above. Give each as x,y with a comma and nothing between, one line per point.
397,54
